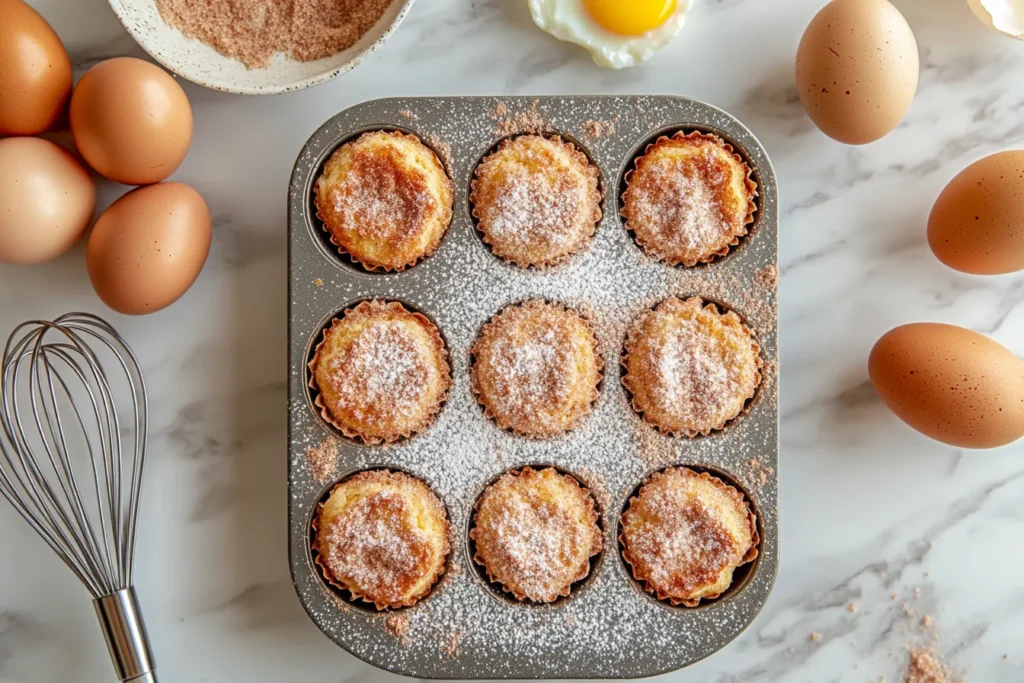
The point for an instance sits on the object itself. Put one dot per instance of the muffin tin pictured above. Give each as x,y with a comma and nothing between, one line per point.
609,627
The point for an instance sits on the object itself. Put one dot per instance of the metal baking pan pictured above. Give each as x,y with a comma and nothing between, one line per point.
466,628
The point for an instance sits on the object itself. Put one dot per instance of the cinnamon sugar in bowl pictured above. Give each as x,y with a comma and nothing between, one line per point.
285,69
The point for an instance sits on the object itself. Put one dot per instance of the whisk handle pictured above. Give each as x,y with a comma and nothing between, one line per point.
125,633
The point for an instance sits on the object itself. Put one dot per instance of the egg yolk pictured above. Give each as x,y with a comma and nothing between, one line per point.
630,17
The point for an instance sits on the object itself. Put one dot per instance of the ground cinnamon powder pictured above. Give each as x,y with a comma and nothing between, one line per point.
253,31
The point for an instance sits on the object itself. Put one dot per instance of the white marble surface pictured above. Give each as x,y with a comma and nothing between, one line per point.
869,508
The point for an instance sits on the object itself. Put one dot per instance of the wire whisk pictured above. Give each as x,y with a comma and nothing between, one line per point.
72,452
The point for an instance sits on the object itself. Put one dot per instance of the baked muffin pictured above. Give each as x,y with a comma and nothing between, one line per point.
535,532
381,372
383,537
689,368
685,534
536,200
689,199
385,200
536,368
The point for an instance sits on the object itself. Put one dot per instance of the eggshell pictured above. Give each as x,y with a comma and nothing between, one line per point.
856,69
46,200
35,72
148,247
954,385
131,120
977,223
1006,16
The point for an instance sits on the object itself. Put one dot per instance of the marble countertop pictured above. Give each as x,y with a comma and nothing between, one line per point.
881,527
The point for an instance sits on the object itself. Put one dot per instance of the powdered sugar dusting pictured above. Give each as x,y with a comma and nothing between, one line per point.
377,199
381,378
677,209
536,199
371,547
689,370
609,627
681,206
534,545
676,540
385,199
380,371
531,372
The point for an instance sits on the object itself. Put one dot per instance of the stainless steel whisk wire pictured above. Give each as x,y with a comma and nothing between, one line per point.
89,516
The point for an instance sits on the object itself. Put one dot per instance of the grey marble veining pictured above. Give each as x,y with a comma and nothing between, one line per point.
870,509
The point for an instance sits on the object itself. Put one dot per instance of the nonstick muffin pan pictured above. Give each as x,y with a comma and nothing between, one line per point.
608,627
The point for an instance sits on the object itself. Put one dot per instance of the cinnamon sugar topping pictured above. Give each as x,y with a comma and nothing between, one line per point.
536,368
536,199
690,369
689,199
253,31
385,199
381,372
685,533
383,536
535,532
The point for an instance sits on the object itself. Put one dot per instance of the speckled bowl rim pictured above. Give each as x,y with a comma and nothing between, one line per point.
275,89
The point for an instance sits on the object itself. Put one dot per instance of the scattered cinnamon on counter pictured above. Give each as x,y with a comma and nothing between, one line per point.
253,31
926,667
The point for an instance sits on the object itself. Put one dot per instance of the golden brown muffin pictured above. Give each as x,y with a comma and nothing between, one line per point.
535,532
536,199
689,368
383,537
536,368
385,199
685,534
381,372
689,199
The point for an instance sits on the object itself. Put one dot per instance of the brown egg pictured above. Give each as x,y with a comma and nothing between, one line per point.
977,223
856,69
46,200
131,120
35,72
954,385
148,247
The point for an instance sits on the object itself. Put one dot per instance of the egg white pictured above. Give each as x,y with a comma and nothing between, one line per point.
568,20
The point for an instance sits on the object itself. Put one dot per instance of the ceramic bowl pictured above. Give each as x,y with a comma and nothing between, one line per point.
199,63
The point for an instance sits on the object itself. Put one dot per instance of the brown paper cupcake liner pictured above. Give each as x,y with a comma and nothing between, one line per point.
574,421
431,248
598,195
651,249
592,518
748,403
354,595
750,556
363,308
